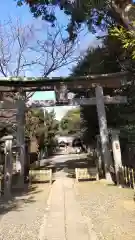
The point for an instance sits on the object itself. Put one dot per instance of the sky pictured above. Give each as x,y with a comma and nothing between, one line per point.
10,10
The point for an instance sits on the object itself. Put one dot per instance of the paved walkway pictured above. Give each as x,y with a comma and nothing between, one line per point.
64,220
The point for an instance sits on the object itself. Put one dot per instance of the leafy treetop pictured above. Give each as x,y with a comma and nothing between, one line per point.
95,13
70,123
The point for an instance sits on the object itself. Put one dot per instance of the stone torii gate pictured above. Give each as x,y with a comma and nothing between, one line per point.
62,86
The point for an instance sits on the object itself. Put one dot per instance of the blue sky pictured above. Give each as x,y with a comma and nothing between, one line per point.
10,10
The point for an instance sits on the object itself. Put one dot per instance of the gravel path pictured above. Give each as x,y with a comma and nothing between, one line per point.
111,209
21,219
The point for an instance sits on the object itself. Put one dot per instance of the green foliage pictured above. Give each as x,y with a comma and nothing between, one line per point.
94,13
127,39
44,128
107,58
51,128
70,123
103,59
126,113
34,121
110,57
127,116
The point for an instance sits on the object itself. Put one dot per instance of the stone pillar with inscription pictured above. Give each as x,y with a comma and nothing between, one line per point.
103,132
117,156
61,94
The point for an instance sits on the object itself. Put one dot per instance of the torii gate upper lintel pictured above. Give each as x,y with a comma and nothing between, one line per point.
110,80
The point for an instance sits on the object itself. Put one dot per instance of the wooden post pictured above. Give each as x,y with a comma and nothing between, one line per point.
0,185
126,175
51,176
133,178
117,155
8,166
20,117
103,131
76,174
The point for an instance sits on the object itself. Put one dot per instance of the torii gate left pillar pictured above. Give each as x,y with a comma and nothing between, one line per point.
20,117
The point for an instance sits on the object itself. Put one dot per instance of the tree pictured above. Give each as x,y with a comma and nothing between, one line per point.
110,57
43,127
51,129
127,117
22,50
55,51
70,123
34,122
15,42
105,58
127,39
95,14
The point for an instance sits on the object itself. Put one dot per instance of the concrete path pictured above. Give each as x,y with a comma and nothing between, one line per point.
64,220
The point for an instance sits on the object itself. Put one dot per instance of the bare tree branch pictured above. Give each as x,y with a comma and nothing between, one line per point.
15,40
55,51
25,48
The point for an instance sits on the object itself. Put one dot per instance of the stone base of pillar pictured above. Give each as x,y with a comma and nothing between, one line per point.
20,182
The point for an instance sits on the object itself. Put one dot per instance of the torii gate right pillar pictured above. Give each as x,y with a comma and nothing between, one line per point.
103,132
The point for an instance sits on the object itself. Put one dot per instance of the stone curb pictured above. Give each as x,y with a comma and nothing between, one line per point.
41,235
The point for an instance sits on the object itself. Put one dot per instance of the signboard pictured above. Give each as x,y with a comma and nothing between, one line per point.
116,150
61,93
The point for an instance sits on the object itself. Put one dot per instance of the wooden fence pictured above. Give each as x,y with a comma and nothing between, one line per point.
128,176
0,185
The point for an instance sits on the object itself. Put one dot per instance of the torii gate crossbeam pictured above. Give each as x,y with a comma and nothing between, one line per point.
73,102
